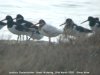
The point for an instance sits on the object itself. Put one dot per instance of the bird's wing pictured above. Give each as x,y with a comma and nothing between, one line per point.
28,24
50,30
82,29
22,28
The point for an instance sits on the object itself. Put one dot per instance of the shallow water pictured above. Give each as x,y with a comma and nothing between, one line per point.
53,12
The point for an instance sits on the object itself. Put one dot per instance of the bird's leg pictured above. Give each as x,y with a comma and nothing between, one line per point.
49,40
31,35
26,37
23,37
29,38
20,38
17,38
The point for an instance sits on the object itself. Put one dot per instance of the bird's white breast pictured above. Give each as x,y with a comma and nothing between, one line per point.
14,31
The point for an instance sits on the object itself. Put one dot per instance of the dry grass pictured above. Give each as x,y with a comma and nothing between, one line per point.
80,55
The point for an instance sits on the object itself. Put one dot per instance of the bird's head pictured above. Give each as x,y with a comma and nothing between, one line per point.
68,21
19,17
97,19
41,22
90,18
8,18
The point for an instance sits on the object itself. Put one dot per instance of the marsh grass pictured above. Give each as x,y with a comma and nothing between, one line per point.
80,55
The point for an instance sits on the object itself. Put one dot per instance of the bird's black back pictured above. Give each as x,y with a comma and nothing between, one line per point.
82,29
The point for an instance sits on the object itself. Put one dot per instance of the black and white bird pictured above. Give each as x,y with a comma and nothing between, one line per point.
73,28
69,25
48,30
35,33
2,24
18,29
94,23
20,20
14,28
